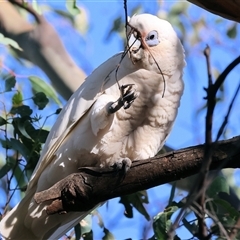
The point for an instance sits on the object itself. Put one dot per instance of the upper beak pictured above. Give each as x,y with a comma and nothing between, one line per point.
134,44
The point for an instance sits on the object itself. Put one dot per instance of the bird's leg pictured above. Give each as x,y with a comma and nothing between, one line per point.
128,95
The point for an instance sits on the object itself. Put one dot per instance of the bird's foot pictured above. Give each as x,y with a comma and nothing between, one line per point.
122,164
128,95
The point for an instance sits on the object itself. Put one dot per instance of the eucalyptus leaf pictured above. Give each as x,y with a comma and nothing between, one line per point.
88,236
40,100
72,7
219,184
225,208
86,224
18,174
21,110
20,147
22,124
9,42
232,31
108,235
136,200
77,230
2,121
41,135
17,99
162,222
10,83
58,111
7,167
39,85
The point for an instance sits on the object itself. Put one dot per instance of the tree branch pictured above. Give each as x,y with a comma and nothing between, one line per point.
230,10
42,46
82,191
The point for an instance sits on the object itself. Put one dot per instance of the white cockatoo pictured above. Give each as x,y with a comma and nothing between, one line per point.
123,111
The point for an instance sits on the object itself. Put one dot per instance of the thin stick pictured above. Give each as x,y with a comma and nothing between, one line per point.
207,55
227,115
28,8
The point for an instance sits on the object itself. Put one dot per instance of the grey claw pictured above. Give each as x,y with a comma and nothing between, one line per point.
125,101
122,164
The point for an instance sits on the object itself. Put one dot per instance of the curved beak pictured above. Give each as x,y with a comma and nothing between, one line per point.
134,44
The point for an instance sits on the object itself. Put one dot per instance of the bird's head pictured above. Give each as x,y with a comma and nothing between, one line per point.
153,44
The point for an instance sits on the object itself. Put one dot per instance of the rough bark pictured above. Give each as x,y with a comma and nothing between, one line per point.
42,46
82,191
227,9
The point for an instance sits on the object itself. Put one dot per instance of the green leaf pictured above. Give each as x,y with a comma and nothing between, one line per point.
58,110
7,167
227,218
64,14
136,200
21,110
22,124
17,99
10,83
88,236
18,146
232,31
117,26
36,7
77,230
39,85
219,184
86,224
72,7
162,222
40,135
40,100
18,174
224,208
9,41
128,207
2,121
108,235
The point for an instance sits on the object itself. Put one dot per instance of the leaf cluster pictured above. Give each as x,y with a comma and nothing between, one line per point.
23,130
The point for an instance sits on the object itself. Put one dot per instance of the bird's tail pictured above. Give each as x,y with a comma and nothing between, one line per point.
28,220
12,225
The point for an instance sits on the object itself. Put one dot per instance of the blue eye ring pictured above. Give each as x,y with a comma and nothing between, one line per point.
152,39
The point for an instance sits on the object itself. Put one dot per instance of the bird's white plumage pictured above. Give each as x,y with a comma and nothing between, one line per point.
86,134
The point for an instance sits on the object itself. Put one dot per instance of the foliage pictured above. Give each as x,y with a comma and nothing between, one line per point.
24,132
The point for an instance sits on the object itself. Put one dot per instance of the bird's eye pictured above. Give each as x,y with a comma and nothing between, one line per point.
152,39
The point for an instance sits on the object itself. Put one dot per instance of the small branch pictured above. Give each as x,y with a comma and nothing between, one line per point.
224,74
235,230
201,187
126,16
28,8
227,115
207,55
195,193
84,190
